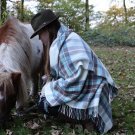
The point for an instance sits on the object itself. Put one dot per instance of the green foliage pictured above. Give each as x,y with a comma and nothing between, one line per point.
116,16
45,4
72,12
110,36
4,16
27,14
3,11
17,11
112,29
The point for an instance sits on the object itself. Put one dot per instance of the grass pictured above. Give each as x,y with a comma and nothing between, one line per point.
120,62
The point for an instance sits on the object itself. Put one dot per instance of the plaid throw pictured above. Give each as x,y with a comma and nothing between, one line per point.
82,86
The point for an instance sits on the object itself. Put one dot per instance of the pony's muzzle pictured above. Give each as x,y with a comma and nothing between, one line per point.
4,119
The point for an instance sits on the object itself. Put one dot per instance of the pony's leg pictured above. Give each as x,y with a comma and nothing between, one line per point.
33,90
22,98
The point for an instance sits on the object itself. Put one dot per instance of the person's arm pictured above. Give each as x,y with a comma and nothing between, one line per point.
67,89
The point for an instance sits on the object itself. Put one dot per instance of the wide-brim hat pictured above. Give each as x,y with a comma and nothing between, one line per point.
42,19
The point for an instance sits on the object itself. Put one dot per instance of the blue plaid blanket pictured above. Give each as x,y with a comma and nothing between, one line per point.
81,82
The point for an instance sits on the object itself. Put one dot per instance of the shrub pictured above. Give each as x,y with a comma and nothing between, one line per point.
111,35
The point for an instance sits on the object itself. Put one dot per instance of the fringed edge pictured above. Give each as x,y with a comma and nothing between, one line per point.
82,115
73,113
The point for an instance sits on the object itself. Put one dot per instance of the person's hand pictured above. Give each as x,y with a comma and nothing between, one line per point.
46,78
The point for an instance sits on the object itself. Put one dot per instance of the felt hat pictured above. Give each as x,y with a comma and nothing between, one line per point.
42,19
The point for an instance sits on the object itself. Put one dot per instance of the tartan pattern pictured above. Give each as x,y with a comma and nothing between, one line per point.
80,75
104,119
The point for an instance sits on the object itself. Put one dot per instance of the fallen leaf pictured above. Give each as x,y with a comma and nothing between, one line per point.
56,132
35,126
32,125
9,132
37,133
54,127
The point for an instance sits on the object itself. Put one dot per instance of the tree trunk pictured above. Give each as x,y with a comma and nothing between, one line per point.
0,11
125,10
3,10
87,15
22,10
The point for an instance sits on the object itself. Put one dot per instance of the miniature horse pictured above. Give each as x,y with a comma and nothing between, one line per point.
20,61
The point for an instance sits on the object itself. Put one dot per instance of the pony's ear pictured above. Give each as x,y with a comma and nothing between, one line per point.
16,76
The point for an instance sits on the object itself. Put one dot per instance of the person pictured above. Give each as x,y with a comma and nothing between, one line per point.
76,83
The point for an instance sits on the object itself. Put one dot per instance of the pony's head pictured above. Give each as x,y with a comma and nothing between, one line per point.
8,94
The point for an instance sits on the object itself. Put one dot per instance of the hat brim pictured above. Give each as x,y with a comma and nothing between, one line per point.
42,26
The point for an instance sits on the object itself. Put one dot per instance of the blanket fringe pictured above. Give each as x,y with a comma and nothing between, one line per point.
73,113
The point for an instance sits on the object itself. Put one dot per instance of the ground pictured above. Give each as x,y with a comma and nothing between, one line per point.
120,62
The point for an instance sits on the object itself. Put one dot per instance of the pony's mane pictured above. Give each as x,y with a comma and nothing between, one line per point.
15,46
9,30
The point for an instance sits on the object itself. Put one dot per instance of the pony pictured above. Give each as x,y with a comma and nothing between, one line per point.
20,64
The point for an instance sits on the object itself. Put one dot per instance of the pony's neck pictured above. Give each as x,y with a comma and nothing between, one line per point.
9,30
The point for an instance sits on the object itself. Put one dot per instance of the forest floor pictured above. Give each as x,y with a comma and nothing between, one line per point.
120,62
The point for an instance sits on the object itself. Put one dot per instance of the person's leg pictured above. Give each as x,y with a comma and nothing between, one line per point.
45,107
